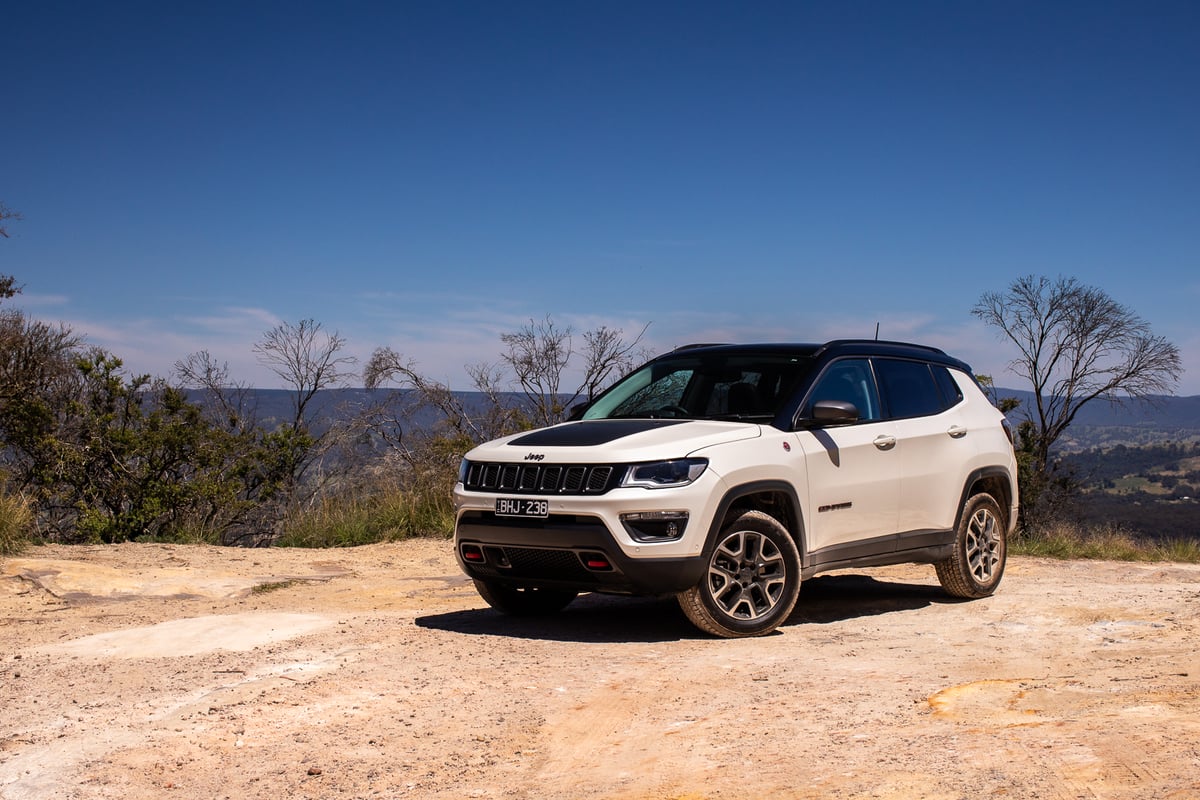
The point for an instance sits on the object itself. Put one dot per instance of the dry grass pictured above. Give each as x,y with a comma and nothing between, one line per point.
1069,540
381,517
16,523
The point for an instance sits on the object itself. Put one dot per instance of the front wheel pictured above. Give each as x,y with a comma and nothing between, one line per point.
980,550
524,601
752,580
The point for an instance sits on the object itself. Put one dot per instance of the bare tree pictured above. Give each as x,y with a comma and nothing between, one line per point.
539,353
6,214
306,358
607,357
8,286
428,426
228,401
1075,344
474,423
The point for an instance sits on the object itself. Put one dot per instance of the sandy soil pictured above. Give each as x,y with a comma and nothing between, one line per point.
141,671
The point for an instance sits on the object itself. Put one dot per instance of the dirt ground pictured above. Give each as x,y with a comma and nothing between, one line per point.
163,671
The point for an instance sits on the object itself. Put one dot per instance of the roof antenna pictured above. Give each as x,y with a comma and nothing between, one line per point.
877,331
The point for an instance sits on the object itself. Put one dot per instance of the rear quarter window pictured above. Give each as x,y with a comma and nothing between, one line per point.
951,393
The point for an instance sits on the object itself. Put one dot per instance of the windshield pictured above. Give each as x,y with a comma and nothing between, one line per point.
742,386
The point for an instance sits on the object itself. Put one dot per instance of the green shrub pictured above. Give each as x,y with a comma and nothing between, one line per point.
16,524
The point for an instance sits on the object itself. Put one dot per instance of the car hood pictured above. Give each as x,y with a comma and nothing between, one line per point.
613,441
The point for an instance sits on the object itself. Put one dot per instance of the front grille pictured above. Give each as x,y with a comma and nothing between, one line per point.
482,476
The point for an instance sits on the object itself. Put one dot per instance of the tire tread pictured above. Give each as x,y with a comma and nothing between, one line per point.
691,601
953,573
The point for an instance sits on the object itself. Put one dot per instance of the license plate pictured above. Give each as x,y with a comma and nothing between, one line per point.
522,507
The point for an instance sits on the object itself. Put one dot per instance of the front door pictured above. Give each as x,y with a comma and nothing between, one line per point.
853,470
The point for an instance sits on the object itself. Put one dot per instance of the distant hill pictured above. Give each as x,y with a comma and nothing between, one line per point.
276,406
1101,424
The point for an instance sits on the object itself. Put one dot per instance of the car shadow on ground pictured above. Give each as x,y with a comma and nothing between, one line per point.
833,598
596,618
592,618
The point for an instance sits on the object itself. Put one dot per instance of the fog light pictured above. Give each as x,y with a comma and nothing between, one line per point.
655,526
597,562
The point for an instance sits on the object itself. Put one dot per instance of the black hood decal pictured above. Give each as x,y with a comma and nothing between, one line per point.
590,433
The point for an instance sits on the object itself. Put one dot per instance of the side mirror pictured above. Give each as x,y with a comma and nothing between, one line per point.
834,412
576,411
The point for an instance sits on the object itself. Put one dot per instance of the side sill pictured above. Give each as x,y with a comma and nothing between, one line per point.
913,547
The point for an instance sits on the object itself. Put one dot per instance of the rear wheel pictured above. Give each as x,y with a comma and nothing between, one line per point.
752,580
980,550
524,601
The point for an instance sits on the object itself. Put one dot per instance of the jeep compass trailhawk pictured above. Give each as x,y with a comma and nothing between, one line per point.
727,474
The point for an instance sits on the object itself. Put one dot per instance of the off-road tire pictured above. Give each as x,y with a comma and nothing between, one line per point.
524,601
980,550
751,581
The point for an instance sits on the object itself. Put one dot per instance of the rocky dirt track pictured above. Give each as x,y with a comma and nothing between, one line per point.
158,671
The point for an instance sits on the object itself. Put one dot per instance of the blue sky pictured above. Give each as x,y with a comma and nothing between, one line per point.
427,176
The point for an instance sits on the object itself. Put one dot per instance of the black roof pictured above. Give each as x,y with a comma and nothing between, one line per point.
837,347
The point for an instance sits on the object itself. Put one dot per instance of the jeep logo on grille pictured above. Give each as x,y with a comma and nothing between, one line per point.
535,457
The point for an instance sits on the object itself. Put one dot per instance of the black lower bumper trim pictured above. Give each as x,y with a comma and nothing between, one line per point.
557,552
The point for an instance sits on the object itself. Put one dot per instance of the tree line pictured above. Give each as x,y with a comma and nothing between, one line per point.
96,454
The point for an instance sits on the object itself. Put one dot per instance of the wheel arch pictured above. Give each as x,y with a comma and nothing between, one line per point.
988,480
775,497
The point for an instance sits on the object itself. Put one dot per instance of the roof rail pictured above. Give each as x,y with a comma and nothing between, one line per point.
694,345
837,342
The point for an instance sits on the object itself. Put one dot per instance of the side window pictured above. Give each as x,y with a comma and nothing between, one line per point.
951,394
908,388
851,381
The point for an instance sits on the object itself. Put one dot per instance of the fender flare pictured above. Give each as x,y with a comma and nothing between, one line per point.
794,524
975,477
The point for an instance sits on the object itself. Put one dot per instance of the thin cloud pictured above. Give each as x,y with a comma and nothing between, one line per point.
235,318
27,301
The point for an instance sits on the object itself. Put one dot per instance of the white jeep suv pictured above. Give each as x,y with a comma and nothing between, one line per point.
727,474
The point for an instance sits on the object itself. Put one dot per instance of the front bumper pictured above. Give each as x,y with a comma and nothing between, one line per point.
582,544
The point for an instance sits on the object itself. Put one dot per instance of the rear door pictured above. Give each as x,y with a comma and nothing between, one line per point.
933,442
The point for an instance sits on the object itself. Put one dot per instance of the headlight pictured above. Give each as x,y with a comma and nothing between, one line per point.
665,474
463,466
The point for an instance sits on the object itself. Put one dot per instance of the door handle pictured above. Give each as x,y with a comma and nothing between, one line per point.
884,442
957,431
